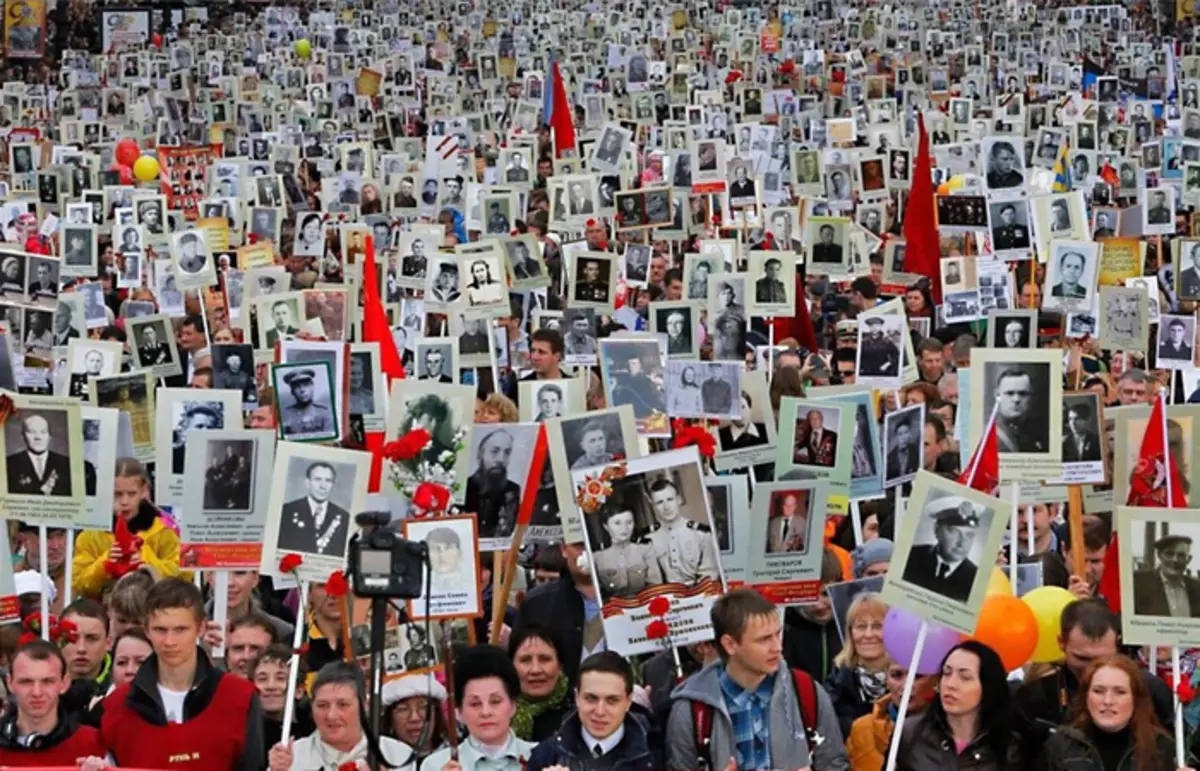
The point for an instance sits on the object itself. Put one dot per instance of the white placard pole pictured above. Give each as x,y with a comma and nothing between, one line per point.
44,571
909,682
220,609
69,569
289,706
1013,553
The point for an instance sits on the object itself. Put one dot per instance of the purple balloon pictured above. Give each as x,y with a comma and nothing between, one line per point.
900,630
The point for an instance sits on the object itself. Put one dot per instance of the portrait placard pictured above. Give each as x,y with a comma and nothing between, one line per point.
586,441
633,371
316,491
903,443
131,394
500,459
227,482
44,480
908,356
368,397
1130,424
453,578
1012,328
787,524
866,459
678,320
152,345
815,442
1085,443
440,409
178,413
729,494
542,400
1027,387
748,439
945,547
103,443
1162,596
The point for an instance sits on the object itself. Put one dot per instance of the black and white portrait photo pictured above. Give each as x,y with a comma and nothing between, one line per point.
1019,393
608,151
698,389
364,376
188,415
579,337
676,321
827,244
633,375
499,461
229,476
315,517
233,368
1004,165
79,250
1082,432
436,360
904,445
453,568
305,399
1124,320
879,349
593,278
1071,275
774,283
1009,222
1176,341
948,545
728,317
1158,211
153,345
38,454
1012,329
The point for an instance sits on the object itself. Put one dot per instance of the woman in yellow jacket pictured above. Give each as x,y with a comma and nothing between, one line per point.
101,557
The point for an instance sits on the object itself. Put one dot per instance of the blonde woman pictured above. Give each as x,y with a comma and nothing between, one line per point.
859,675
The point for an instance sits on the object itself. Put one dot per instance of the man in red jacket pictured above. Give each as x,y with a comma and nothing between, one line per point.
40,732
180,711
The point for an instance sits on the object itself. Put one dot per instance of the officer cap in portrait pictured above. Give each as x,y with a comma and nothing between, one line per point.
299,376
1167,541
953,512
874,321
201,409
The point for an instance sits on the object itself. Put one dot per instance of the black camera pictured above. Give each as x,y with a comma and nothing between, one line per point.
382,563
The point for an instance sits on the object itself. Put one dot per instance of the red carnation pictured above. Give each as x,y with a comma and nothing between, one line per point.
26,638
408,446
349,765
687,435
657,629
431,497
336,585
787,67
290,563
659,606
733,77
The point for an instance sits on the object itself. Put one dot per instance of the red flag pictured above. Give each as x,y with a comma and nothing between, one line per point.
375,329
560,117
923,251
1154,481
983,471
799,326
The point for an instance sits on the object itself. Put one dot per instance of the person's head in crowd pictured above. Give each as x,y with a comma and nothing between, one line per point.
126,602
249,635
191,334
673,284
202,377
269,673
548,565
495,408
960,350
130,649
789,358
338,695
944,410
1097,532
844,365
1042,516
863,293
174,622
863,649
546,353
919,393
747,632
931,360
56,548
1114,704
223,336
935,440
917,301
87,657
412,712
873,557
658,269
973,696
787,381
263,414
1088,630
604,694
129,488
1133,387
486,689
537,655
37,680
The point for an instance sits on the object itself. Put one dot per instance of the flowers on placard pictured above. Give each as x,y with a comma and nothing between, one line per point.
408,446
349,765
428,482
61,632
431,497
290,563
659,606
733,77
657,630
337,585
686,434
788,67
594,491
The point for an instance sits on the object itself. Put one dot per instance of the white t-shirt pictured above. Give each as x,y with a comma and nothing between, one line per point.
172,703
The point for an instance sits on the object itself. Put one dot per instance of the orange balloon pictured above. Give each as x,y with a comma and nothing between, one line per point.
1007,626
943,189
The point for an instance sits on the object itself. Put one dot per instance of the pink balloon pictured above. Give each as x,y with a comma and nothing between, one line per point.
900,630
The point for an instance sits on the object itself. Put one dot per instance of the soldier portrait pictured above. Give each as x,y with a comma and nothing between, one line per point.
317,499
189,415
1004,165
305,401
674,320
436,361
1019,393
787,528
1012,329
233,368
229,476
903,446
879,352
1010,226
39,454
816,436
592,281
1176,341
948,546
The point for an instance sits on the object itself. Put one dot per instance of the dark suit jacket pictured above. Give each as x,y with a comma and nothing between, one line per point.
895,470
1091,448
273,335
1184,353
23,480
1150,598
921,570
1189,283
304,539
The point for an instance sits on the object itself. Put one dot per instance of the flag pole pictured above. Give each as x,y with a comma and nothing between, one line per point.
909,682
1180,756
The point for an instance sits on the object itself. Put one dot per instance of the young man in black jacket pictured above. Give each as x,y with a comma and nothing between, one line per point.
602,732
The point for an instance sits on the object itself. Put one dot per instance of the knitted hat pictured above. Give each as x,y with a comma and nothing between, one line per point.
412,685
870,553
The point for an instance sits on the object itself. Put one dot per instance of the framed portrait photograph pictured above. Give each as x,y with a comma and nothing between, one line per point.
1024,389
633,373
79,250
483,276
652,536
593,282
1071,274
130,394
786,526
747,438
587,441
103,442
1085,451
1012,328
87,360
443,285
727,315
678,321
500,458
728,494
774,280
316,491
452,578
696,389
306,401
280,318
1124,319
1156,575
233,369
442,410
827,253
368,397
1176,341
1009,224
945,549
1158,211
523,261
1004,165
880,341
579,335
44,480
229,473
152,346
815,441
437,359
192,261
179,412
543,400
904,445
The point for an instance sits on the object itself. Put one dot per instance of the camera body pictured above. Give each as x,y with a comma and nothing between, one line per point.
383,563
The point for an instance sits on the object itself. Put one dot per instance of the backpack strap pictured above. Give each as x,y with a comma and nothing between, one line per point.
806,697
702,725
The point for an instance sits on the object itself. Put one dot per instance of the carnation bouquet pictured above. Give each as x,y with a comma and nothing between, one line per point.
423,475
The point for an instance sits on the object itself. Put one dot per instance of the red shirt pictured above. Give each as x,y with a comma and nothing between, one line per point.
83,742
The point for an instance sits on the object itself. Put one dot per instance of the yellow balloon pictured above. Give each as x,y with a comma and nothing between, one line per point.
957,181
999,584
1047,604
145,168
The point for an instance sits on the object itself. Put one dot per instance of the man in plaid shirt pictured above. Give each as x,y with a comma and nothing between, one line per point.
752,699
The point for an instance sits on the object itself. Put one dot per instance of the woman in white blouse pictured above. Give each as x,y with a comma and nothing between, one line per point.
486,687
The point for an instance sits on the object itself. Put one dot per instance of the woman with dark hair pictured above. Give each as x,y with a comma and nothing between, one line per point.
969,724
414,713
486,688
1115,725
545,697
918,301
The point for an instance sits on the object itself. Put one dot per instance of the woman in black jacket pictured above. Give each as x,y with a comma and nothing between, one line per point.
1116,727
968,725
859,677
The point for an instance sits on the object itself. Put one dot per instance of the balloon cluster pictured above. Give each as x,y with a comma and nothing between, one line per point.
1019,629
131,164
954,183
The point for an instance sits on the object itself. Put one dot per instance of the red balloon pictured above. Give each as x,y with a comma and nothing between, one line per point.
156,39
126,173
127,152
1007,626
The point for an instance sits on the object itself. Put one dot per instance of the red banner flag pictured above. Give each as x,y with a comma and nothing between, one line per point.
924,251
